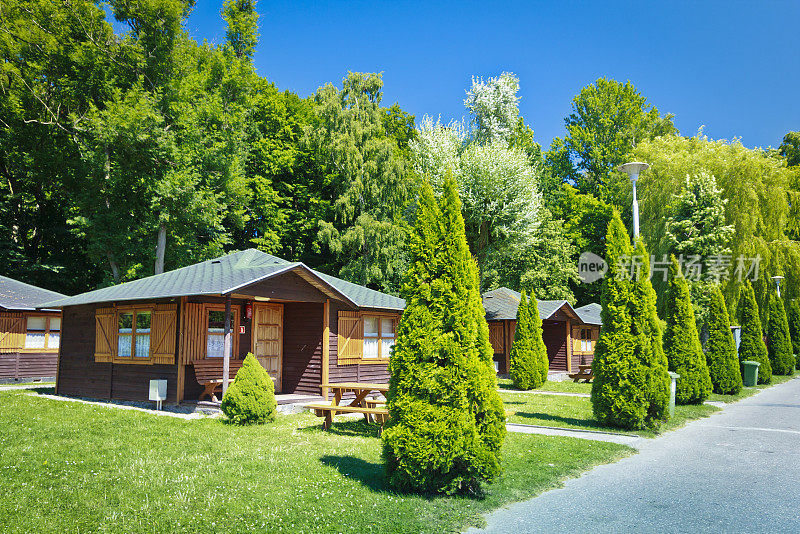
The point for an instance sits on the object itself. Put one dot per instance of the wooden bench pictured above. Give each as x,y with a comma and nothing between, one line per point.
329,410
584,373
208,373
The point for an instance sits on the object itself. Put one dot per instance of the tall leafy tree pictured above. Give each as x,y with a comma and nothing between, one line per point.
447,421
682,343
721,357
631,385
497,165
790,148
546,266
779,343
529,363
751,343
608,119
242,26
365,179
753,185
585,225
57,59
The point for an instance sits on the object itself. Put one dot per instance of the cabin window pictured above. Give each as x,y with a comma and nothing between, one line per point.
42,332
586,340
379,335
133,334
215,340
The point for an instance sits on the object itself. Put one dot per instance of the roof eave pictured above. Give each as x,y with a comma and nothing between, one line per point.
292,267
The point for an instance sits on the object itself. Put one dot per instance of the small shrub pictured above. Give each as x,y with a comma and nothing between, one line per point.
250,398
721,357
682,344
751,344
779,349
529,363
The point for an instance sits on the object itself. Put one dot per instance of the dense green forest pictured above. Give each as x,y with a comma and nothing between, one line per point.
126,154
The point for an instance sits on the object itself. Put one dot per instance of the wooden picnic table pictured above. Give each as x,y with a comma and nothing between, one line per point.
359,404
584,373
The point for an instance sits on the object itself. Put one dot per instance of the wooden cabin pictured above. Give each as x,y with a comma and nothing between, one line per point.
569,334
305,327
29,336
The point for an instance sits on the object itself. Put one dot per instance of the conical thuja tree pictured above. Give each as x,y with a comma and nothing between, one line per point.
631,379
779,347
682,343
721,357
650,350
251,397
751,343
447,421
794,329
529,363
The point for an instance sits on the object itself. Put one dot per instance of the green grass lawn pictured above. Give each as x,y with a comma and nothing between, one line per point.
560,387
69,467
576,412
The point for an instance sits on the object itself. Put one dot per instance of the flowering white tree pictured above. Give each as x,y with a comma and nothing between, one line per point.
497,182
494,106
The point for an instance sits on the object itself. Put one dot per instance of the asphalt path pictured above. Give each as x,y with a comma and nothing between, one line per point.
736,471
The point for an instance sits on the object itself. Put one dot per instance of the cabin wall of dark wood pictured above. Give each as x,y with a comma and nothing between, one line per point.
367,372
554,334
80,376
582,358
18,365
302,347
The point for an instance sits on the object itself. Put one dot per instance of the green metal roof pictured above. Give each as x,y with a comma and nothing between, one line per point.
16,295
227,274
590,314
501,304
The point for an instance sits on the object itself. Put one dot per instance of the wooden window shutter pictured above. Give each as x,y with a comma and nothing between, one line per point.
162,334
105,343
350,338
576,339
193,330
496,337
12,332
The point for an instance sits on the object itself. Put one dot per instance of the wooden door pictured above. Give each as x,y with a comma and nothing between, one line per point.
268,340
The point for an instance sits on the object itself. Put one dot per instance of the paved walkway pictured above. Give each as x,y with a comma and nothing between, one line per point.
736,471
593,435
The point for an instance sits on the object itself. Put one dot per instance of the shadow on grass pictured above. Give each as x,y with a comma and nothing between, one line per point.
353,429
567,420
370,475
42,391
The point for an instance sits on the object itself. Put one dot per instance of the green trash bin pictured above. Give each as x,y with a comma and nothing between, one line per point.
673,388
750,373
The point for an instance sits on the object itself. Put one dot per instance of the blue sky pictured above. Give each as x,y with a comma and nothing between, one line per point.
733,67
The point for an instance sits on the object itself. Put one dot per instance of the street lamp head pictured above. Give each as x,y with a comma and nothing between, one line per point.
777,279
633,168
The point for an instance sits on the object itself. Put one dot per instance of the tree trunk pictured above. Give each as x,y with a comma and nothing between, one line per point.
161,246
114,267
107,177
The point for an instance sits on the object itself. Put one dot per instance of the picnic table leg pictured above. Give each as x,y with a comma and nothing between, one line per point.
328,420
